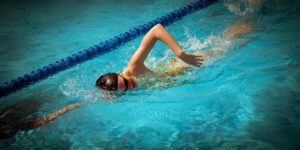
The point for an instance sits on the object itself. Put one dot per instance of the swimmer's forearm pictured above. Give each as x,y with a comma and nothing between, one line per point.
163,35
42,121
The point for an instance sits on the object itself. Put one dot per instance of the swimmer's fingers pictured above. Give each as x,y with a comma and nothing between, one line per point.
198,55
198,59
199,63
195,60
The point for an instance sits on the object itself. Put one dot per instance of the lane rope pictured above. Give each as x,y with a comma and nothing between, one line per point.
98,49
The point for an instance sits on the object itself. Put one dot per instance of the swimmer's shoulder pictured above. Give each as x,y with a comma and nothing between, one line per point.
128,72
131,72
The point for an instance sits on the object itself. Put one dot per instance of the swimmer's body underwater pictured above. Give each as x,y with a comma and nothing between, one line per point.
128,79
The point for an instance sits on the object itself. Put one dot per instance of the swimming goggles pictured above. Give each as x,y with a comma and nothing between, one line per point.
125,81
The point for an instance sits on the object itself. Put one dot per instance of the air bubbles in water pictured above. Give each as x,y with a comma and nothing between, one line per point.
78,88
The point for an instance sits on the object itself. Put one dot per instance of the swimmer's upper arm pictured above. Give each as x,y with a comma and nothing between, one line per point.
140,55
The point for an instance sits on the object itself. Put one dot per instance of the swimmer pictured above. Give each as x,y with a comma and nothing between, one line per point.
9,125
128,79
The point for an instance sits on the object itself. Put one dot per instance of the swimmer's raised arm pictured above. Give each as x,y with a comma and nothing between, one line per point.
158,32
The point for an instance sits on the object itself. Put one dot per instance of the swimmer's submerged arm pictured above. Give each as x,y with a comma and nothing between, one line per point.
173,72
44,120
234,31
158,32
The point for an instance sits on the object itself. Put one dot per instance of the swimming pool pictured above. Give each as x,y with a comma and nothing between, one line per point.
246,98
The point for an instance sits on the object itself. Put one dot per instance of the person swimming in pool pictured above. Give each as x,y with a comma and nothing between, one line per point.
10,122
128,79
136,67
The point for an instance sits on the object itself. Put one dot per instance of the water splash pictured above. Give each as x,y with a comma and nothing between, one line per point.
78,88
206,46
192,44
243,7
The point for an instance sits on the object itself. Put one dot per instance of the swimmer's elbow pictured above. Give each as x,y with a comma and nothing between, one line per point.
159,25
157,30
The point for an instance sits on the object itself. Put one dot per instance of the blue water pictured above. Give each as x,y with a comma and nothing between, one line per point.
246,98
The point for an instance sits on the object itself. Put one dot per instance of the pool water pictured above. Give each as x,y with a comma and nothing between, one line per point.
248,97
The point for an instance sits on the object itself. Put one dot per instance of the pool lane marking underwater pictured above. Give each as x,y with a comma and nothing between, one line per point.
99,49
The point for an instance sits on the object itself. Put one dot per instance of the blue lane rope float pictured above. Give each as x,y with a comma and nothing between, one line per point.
99,49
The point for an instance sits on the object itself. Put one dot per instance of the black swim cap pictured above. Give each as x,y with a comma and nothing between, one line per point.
108,81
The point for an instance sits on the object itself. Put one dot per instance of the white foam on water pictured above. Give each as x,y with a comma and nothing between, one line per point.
243,7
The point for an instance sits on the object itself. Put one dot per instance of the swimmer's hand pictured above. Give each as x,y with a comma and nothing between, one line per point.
195,60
